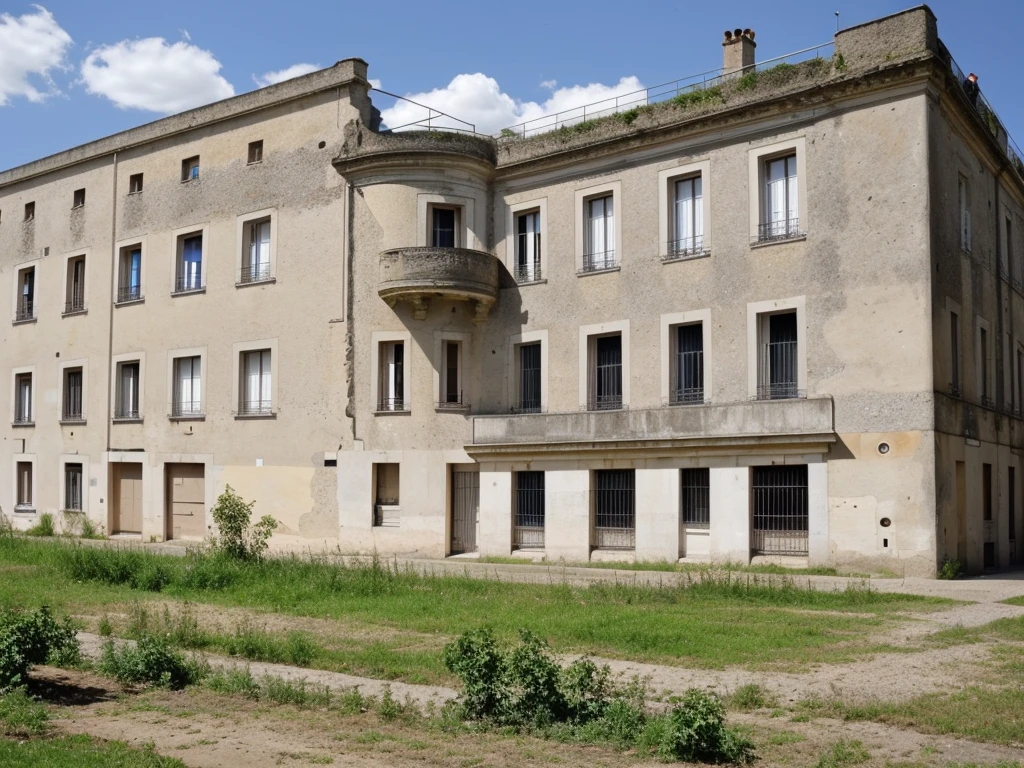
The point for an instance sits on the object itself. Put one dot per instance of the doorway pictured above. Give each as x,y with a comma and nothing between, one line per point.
465,510
126,507
185,486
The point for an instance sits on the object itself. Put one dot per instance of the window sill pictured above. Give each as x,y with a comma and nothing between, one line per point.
129,302
24,510
137,192
405,412
22,424
700,530
74,312
187,417
451,408
131,420
189,181
247,283
777,241
672,258
539,281
601,271
72,422
24,321
255,416
77,207
188,292
255,162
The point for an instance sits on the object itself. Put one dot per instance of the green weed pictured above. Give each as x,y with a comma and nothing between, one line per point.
21,715
44,527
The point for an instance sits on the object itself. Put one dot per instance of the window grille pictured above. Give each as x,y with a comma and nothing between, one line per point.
606,390
73,487
72,410
529,379
779,359
779,510
695,486
688,385
528,532
614,509
527,268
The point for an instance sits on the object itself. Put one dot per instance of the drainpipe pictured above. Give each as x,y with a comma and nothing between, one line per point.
350,344
110,304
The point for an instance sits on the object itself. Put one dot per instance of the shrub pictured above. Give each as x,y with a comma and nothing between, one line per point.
21,715
695,732
950,569
238,537
752,696
151,660
697,96
137,569
843,753
44,527
27,639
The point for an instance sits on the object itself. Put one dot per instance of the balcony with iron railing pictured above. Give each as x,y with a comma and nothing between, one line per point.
392,405
417,275
185,284
255,273
72,414
185,410
25,311
779,230
23,419
686,248
74,306
255,409
777,371
527,273
601,261
129,294
127,413
611,402
452,402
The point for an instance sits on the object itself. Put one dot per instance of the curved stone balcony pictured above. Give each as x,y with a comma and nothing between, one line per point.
417,275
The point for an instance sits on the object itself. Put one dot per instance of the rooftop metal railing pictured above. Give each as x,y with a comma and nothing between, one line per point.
434,120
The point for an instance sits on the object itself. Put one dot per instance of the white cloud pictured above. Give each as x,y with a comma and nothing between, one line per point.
549,85
295,70
155,75
479,100
31,46
375,83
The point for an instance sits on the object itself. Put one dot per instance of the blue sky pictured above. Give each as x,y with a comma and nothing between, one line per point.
73,71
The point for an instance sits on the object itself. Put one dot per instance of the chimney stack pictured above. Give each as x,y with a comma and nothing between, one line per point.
739,48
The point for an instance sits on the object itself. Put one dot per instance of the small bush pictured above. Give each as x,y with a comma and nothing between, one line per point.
842,754
630,115
106,628
238,537
27,639
695,732
151,660
697,97
44,527
21,715
950,569
752,696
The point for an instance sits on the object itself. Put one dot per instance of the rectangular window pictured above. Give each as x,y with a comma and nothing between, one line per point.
256,254
190,263
73,487
190,168
528,532
129,274
23,405
387,482
72,407
391,396
134,183
23,501
780,510
444,227
954,354
780,218
599,234
187,387
527,268
1011,499
30,211
255,396
26,309
695,490
75,290
529,379
964,194
127,405
778,362
255,152
614,509
688,370
986,492
451,375
78,198
687,219
986,398
605,383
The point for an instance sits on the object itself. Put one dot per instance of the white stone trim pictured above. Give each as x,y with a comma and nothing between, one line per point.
512,379
669,321
376,339
756,158
581,196
603,329
666,214
773,306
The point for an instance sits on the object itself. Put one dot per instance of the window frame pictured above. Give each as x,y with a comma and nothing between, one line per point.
124,416
704,475
30,211
173,356
440,374
667,179
984,362
515,344
21,314
123,295
254,155
387,511
181,285
966,234
757,160
669,323
190,168
16,486
955,348
132,177
763,309
78,198
18,376
466,234
71,306
538,272
377,339
65,465
237,351
582,197
67,367
243,246
457,225
587,352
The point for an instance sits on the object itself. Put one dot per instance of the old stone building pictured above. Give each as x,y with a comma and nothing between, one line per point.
775,312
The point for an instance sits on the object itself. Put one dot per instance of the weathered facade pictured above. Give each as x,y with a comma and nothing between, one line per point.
776,316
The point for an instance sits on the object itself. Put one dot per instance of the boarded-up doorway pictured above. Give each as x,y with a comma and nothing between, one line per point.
465,510
185,485
126,507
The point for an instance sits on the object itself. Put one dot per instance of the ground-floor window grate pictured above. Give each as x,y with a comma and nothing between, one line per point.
528,532
695,501
779,510
614,509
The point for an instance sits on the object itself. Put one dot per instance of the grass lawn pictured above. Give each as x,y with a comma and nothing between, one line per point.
79,752
990,710
711,621
666,565
1019,600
